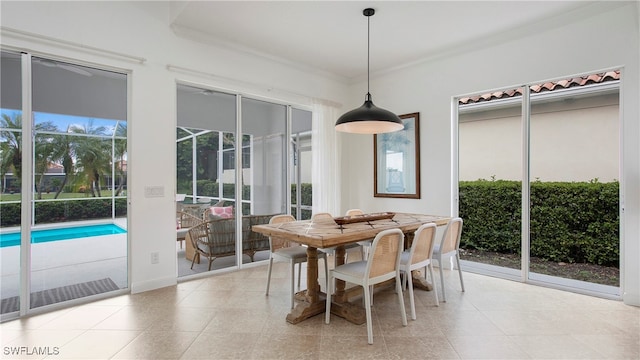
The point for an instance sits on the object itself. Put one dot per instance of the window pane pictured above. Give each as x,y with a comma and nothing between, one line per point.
11,179
79,161
490,173
300,163
206,173
184,173
264,163
264,143
575,142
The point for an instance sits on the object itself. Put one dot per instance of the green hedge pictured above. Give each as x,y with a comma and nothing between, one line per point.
59,211
210,188
307,193
570,222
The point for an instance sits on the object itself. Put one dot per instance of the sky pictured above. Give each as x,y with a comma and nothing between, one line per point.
64,122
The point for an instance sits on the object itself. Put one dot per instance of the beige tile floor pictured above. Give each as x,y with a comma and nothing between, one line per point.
228,316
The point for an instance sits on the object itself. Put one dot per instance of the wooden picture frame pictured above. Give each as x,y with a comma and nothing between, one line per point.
396,161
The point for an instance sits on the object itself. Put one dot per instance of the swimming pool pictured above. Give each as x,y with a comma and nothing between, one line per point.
40,236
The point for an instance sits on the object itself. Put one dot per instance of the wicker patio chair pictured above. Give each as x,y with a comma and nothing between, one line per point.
184,221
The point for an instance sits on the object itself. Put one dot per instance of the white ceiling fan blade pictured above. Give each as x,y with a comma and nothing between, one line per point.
74,69
46,62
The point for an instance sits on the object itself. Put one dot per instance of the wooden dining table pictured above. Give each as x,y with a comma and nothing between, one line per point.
326,234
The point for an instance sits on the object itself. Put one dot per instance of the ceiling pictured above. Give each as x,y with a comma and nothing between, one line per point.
330,37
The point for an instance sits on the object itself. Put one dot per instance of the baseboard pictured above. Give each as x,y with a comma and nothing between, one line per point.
138,287
631,298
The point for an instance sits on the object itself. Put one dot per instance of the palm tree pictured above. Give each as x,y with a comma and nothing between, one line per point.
11,145
64,153
92,154
120,152
45,148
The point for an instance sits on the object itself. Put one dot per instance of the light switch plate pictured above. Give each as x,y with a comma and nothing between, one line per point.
153,191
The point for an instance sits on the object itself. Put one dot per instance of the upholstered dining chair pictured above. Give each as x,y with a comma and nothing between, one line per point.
383,264
293,253
448,248
418,256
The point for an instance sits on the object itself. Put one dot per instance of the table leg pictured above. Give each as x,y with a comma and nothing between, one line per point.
419,281
340,305
313,287
314,300
340,295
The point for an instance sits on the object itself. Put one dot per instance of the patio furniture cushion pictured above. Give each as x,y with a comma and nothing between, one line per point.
225,212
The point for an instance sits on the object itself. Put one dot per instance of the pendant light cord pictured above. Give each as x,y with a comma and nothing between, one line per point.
368,50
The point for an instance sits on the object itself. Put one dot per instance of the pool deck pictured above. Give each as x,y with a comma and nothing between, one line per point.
59,263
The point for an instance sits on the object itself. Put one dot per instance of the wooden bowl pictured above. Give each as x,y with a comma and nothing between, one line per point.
363,218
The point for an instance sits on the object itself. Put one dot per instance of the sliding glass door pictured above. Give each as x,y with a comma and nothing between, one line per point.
538,187
232,182
80,147
574,171
11,177
490,186
300,163
69,178
264,171
206,173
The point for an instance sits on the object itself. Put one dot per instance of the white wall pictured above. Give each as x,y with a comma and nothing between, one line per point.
141,29
578,142
590,41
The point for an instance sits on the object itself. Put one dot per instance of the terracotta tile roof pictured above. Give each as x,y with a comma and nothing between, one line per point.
54,168
548,86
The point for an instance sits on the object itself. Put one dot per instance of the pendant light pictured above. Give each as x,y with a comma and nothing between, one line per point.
368,118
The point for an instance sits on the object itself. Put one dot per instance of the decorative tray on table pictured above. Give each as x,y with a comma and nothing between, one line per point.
363,218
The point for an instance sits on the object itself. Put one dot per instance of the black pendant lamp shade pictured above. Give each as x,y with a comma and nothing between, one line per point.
368,118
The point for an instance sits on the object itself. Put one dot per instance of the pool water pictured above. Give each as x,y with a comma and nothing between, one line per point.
40,236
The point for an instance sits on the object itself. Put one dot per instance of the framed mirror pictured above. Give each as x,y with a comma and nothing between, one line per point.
396,161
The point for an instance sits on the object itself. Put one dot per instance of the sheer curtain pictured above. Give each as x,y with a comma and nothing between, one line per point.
325,171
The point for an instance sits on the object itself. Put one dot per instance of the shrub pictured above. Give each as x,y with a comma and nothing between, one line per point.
59,211
307,193
569,222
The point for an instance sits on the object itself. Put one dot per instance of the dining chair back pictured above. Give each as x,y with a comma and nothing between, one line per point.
418,256
383,264
276,243
354,212
364,244
449,248
289,251
322,216
327,217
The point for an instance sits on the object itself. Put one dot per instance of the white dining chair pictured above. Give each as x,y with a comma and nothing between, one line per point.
327,217
365,244
418,256
448,248
293,253
383,264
